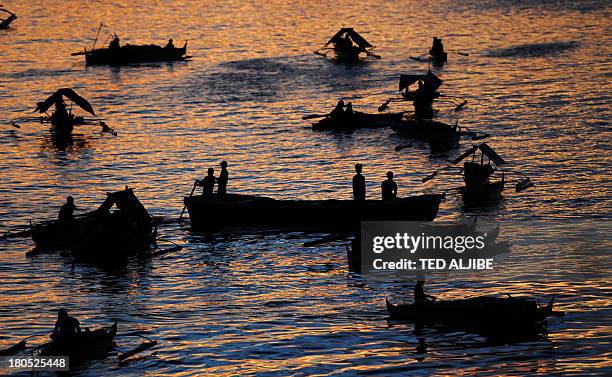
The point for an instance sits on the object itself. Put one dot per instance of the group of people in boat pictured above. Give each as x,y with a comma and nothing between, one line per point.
208,182
388,186
423,98
116,43
341,110
343,43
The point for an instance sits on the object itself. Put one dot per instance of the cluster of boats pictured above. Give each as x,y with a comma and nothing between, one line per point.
105,235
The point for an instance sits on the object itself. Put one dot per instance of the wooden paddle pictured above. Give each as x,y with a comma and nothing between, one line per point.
403,146
142,347
106,128
384,106
10,351
314,116
190,195
368,53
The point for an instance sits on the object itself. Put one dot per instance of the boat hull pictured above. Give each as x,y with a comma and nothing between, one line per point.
440,135
482,195
134,54
87,345
476,311
100,236
247,211
356,120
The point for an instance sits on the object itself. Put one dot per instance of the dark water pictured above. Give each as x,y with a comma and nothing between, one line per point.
537,77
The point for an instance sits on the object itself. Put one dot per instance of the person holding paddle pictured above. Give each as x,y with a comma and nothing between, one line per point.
208,183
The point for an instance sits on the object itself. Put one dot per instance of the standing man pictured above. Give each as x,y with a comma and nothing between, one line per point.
222,180
359,185
389,187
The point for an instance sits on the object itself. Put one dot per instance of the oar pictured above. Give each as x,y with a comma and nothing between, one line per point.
326,239
368,53
461,106
106,128
10,351
429,177
190,195
463,53
384,106
313,116
320,53
78,53
142,347
403,146
524,184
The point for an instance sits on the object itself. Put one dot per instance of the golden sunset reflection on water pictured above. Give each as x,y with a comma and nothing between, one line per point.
537,78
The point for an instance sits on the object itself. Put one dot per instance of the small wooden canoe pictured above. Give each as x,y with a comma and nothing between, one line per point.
440,135
355,120
87,345
130,54
478,311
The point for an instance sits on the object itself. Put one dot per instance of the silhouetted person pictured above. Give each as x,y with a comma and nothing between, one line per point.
389,187
349,108
423,100
359,184
61,118
419,294
114,43
65,326
338,110
343,43
436,47
208,183
222,180
66,211
170,43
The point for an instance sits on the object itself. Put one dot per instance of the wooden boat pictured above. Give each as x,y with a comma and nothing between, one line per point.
87,345
236,210
130,54
480,311
355,119
100,236
441,136
6,22
479,190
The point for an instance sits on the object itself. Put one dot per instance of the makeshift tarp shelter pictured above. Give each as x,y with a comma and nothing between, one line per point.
42,107
429,78
353,35
486,151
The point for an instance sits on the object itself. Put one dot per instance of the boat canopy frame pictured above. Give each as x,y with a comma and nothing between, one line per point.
353,35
